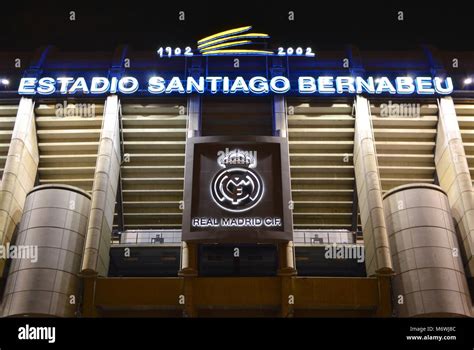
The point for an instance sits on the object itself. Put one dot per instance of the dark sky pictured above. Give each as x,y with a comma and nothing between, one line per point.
147,24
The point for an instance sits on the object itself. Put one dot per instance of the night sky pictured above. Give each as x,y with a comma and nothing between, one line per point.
148,24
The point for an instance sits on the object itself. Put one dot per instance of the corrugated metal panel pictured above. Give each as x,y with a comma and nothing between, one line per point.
68,143
405,142
321,138
154,138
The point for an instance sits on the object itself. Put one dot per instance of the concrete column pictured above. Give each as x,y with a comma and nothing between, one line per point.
369,191
20,172
286,251
287,293
189,272
188,259
429,279
384,306
88,306
280,127
189,266
55,221
104,191
286,257
455,179
194,116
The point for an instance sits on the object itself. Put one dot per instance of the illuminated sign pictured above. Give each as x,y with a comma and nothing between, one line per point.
236,222
256,85
236,42
236,189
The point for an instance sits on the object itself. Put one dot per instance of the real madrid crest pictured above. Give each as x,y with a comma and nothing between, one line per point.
237,187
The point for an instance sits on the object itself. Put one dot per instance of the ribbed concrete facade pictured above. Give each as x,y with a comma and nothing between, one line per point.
455,178
104,191
47,283
321,145
377,253
19,173
154,140
429,277
332,155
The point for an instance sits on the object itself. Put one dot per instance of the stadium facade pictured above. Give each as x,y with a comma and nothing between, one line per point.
237,184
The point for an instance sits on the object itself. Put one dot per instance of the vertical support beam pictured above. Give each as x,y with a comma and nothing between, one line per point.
119,206
355,206
279,116
377,253
188,259
279,102
96,251
286,251
189,266
280,128
194,102
384,305
20,172
88,307
454,177
189,272
432,56
287,296
286,258
355,61
194,116
189,250
189,309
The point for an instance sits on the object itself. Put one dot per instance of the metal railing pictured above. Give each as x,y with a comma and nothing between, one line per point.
300,237
151,237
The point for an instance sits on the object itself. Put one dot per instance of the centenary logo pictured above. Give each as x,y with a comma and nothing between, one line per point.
230,43
237,188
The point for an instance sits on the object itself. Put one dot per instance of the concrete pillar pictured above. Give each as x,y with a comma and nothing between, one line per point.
455,179
287,296
369,191
104,191
20,172
280,128
54,224
189,266
88,296
194,116
286,257
384,306
429,277
280,123
188,259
